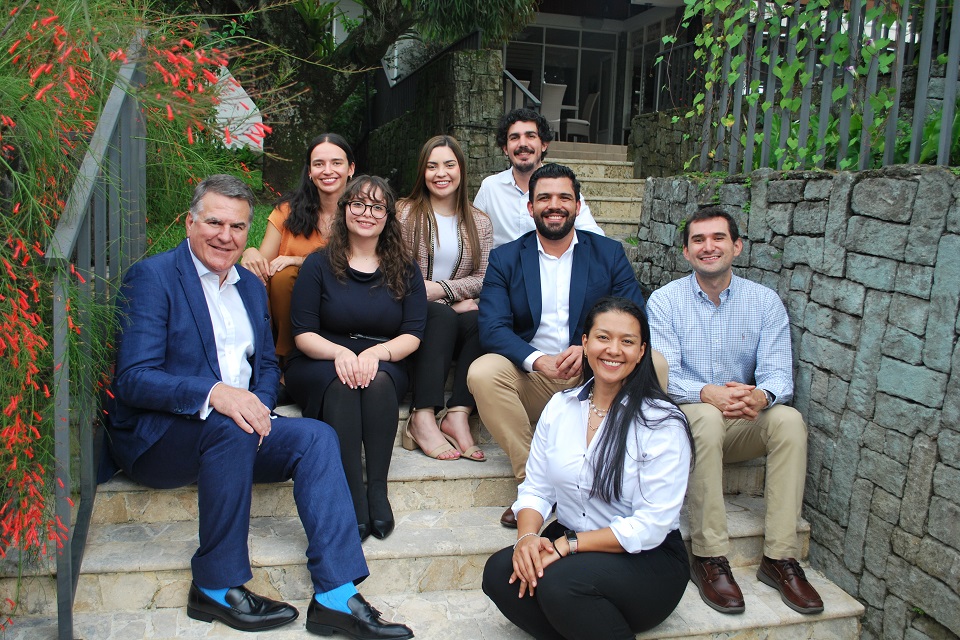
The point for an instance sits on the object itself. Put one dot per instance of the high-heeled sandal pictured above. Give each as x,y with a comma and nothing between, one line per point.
410,444
469,453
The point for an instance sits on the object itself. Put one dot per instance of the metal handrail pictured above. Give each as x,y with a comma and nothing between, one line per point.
99,233
511,82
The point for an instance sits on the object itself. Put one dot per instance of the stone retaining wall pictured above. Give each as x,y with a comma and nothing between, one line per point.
659,146
868,265
461,94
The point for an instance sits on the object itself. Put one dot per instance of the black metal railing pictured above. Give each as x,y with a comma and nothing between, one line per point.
516,94
101,232
845,109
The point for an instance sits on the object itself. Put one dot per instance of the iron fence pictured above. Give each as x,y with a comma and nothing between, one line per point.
101,231
859,85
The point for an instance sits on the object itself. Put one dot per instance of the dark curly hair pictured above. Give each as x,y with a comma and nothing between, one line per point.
395,262
304,201
523,115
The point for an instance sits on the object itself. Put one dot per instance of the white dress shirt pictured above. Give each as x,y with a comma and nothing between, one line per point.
553,332
232,328
500,198
560,471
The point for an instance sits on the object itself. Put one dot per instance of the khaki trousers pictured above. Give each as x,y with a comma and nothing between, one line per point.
780,433
510,400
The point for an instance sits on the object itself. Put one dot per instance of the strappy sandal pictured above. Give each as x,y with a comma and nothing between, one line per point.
469,453
408,442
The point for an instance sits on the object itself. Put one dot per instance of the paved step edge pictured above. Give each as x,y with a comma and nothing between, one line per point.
469,615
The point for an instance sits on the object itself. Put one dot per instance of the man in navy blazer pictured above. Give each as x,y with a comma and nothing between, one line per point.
536,294
196,379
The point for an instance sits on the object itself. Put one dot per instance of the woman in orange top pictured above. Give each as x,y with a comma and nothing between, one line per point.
298,226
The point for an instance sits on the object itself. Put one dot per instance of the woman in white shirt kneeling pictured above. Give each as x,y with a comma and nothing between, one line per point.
614,456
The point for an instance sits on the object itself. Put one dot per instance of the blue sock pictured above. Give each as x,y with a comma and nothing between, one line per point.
217,595
336,599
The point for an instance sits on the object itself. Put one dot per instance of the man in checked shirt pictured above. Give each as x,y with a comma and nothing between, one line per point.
727,341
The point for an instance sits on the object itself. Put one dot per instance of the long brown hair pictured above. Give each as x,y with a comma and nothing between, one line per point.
392,252
419,201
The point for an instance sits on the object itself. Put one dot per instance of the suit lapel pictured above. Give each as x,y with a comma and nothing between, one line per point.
247,295
530,265
193,292
578,282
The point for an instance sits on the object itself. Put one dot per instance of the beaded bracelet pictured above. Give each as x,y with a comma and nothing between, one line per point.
389,355
524,536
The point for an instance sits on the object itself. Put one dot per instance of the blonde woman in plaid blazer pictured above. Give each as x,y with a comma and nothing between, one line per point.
450,240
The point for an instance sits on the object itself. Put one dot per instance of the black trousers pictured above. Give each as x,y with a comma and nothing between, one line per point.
602,596
448,335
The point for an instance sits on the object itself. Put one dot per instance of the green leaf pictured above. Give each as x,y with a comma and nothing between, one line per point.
839,93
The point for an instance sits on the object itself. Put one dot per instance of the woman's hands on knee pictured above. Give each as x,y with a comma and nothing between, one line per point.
530,557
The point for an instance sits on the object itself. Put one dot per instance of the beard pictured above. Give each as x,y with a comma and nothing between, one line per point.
529,165
554,233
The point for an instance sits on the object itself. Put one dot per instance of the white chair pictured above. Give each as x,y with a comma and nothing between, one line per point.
551,99
580,127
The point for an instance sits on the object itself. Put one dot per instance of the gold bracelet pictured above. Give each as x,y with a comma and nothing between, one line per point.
389,355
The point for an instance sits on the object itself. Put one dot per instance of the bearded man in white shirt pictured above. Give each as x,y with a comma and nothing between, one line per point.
536,294
524,137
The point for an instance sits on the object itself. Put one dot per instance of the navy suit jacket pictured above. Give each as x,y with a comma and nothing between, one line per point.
167,355
511,299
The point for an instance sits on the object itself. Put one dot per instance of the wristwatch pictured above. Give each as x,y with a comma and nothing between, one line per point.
571,537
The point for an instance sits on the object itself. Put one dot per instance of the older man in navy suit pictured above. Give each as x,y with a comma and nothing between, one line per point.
196,379
536,295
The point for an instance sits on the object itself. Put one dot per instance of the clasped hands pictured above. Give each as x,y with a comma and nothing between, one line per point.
357,371
737,401
563,366
263,269
531,556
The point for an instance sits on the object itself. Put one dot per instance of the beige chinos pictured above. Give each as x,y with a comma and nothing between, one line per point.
779,433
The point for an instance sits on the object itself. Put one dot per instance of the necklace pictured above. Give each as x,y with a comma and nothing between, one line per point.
600,413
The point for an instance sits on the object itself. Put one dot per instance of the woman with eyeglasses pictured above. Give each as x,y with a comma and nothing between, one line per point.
299,225
359,309
450,240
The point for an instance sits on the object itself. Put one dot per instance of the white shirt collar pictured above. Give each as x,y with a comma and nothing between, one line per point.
233,276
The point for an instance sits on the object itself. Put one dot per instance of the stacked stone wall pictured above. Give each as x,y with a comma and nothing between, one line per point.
659,146
868,265
460,94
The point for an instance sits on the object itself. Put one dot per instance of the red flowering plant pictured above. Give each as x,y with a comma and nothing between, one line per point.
58,61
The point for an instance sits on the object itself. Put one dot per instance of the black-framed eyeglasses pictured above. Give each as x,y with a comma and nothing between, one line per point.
358,208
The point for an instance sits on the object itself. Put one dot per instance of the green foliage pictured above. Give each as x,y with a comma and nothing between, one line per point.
725,28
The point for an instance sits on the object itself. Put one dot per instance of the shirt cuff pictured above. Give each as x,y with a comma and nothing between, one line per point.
536,503
530,359
206,409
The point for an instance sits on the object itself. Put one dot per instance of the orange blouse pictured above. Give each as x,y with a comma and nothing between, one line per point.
290,244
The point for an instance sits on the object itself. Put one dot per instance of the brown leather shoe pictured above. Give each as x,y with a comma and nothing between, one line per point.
787,577
508,519
714,580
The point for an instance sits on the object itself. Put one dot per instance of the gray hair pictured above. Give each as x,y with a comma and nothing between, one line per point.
224,185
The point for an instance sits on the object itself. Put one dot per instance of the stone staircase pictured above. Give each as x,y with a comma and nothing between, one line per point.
136,570
607,182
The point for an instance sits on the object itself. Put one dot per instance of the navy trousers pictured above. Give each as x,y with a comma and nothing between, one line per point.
225,461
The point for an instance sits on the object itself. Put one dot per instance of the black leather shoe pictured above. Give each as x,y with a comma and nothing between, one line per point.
363,623
381,514
364,530
382,528
247,610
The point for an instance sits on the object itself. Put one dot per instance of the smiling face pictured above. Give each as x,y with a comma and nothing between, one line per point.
554,208
710,249
219,234
366,225
442,175
329,168
524,146
613,348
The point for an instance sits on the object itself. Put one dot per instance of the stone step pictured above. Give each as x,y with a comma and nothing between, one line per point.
588,151
416,482
469,615
596,168
138,565
606,187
